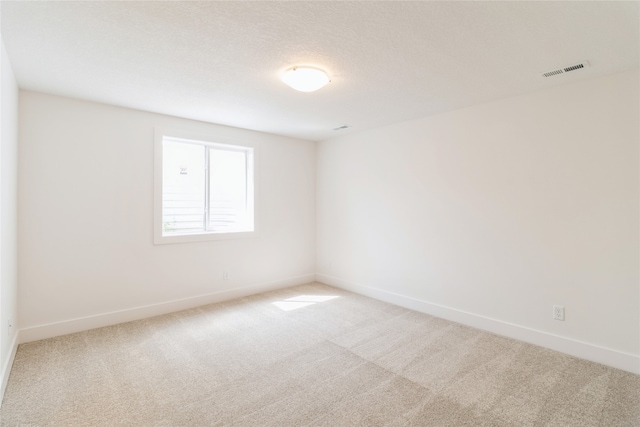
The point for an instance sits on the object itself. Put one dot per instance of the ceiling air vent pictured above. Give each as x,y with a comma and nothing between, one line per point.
583,64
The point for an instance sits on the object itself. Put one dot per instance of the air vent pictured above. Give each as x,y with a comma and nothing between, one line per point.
342,127
552,73
573,67
568,68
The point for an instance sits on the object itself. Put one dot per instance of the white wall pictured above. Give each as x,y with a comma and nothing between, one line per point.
8,215
86,214
498,211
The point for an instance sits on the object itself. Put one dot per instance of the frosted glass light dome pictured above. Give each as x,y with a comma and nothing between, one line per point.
305,79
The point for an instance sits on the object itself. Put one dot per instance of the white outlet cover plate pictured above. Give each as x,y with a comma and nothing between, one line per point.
558,312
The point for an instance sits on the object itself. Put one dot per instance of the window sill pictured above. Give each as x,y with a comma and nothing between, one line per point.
202,237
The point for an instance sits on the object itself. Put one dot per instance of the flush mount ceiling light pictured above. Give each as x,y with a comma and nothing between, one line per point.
305,79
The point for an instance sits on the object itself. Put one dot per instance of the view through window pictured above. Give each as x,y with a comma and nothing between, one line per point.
206,188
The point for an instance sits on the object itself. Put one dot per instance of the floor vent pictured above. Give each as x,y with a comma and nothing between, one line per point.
566,69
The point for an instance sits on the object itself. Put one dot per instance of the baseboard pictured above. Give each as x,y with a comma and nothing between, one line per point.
583,350
6,367
50,330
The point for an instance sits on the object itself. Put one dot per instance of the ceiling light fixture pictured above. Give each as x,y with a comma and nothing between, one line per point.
305,79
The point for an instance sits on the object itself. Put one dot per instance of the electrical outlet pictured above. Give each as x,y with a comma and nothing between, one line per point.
558,312
225,275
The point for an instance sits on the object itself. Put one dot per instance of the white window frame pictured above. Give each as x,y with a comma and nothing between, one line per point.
213,142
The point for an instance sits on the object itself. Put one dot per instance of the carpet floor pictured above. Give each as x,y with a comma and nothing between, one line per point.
308,355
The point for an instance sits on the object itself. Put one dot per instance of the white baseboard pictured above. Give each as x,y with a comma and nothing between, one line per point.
583,350
70,326
6,367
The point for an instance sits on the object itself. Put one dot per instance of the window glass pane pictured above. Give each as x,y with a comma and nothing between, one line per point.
183,188
228,209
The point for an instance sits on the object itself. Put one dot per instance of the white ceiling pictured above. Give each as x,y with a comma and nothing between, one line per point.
389,61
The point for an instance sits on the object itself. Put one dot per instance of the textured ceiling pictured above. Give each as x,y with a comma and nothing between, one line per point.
389,61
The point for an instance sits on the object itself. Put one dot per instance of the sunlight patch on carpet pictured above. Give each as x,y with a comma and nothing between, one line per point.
302,301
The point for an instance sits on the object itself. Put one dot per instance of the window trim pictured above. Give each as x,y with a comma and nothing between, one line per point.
209,140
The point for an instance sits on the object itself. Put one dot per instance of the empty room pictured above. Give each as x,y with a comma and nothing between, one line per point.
320,213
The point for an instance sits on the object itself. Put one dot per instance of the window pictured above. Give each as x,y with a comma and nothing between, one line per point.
204,189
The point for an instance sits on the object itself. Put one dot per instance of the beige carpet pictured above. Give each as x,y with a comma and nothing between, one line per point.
294,357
